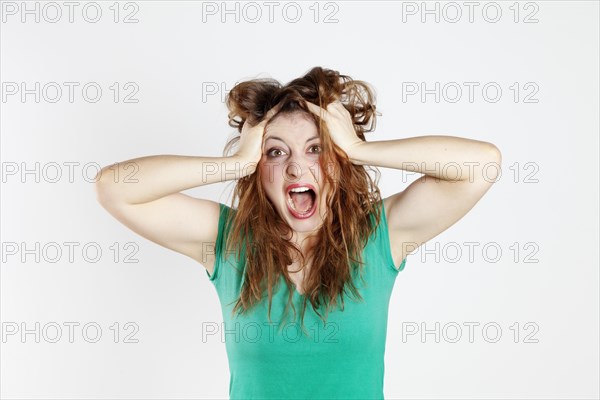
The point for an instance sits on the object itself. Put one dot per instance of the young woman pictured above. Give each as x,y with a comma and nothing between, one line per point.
307,226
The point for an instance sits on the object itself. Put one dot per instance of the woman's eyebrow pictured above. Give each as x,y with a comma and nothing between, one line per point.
278,138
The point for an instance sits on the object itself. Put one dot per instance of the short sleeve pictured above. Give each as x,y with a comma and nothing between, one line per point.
221,241
385,239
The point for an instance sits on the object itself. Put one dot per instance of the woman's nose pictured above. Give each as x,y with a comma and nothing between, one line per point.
296,167
293,170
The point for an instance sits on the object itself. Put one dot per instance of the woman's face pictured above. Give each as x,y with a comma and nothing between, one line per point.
289,165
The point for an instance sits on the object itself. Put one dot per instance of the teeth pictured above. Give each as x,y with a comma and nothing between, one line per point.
291,203
300,189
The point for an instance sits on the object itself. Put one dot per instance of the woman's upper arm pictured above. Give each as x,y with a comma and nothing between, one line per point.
179,222
428,207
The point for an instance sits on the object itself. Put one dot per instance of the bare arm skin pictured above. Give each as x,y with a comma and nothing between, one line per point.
458,172
153,207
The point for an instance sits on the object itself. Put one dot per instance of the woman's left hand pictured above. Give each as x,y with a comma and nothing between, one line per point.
339,123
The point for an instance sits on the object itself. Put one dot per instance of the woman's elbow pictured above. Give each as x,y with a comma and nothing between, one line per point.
493,162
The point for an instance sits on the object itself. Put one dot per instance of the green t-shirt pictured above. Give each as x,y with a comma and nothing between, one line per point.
341,359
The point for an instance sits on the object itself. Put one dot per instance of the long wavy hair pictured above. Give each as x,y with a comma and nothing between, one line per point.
256,224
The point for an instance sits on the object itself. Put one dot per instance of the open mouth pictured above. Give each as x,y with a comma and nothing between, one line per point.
302,202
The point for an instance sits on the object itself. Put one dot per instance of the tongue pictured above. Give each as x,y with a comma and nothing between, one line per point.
302,201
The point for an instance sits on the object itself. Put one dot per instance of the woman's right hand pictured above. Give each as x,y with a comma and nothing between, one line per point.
251,141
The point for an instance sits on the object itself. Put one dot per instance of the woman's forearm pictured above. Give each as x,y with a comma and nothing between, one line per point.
144,179
444,157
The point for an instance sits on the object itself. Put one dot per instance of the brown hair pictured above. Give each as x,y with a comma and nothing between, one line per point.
257,225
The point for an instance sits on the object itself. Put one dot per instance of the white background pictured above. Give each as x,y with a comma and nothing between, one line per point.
547,209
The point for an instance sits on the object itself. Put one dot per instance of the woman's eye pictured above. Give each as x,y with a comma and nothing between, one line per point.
279,152
270,152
